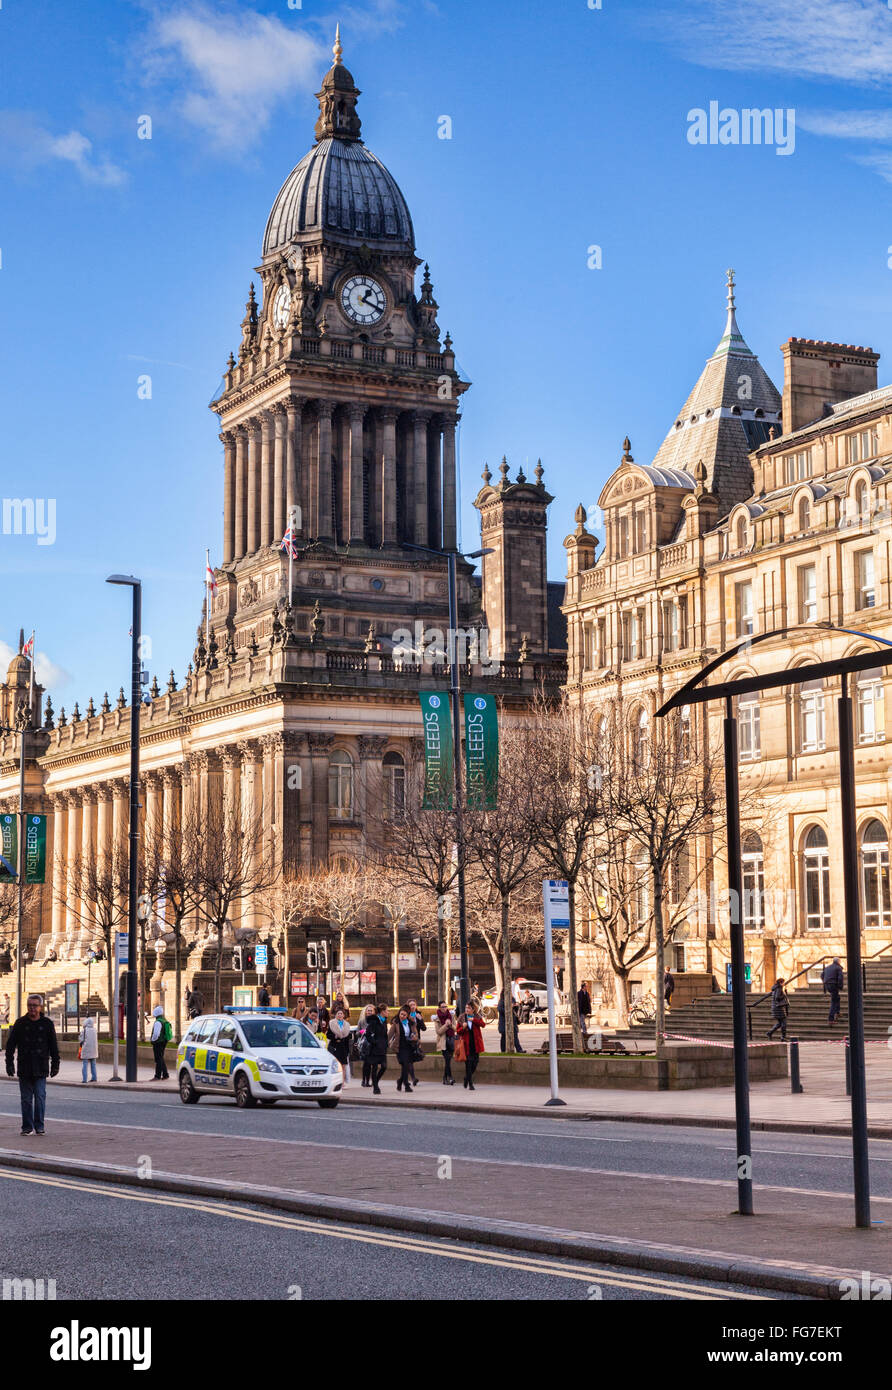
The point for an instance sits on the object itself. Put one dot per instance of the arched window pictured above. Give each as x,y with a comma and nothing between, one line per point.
340,785
681,873
753,882
740,533
394,785
871,724
875,877
640,734
862,500
811,716
749,732
804,514
816,875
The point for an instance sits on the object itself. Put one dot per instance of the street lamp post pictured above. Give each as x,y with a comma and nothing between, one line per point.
455,701
133,857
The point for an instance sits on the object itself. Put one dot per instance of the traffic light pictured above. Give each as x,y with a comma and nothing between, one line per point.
237,960
420,947
312,956
323,955
248,957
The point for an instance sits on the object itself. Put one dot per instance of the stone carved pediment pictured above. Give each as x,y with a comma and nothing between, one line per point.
248,593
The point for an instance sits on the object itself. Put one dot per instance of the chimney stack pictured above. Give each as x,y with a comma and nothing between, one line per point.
819,374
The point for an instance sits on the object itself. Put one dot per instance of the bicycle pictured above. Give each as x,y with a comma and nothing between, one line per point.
643,1011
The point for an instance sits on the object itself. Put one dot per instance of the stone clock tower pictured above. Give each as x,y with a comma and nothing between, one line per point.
340,409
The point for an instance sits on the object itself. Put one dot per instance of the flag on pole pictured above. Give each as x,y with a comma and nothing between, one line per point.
210,581
28,648
287,543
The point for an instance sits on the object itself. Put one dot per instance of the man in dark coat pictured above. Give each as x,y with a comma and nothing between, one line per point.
33,1037
263,997
584,1004
834,981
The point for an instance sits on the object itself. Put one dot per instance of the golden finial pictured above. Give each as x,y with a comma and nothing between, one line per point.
338,50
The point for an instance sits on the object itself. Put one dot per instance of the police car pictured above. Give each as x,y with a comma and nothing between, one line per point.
256,1055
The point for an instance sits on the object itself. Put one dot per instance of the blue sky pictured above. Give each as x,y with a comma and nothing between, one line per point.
123,257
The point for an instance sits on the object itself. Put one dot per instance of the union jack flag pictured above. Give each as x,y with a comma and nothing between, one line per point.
287,543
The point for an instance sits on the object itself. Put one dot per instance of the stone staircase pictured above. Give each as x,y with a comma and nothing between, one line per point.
709,1016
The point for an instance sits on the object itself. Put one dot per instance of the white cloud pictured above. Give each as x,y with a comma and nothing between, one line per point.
842,41
26,143
881,163
48,674
847,125
230,71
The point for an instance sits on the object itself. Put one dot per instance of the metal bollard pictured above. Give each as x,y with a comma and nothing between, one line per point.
795,1083
848,1070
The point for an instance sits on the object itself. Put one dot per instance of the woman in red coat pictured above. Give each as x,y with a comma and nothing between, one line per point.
469,1042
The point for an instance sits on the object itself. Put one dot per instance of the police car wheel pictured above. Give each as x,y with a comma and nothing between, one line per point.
328,1103
188,1093
243,1098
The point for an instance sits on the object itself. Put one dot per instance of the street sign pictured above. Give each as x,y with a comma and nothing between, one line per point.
556,897
260,957
35,849
123,948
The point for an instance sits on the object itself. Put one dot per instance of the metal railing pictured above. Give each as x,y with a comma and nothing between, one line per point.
881,952
762,997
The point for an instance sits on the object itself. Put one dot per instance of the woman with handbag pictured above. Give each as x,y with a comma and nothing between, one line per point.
88,1050
404,1041
470,1039
363,1045
376,1034
444,1024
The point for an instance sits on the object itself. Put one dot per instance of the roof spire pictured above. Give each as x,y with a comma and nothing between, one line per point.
338,119
732,339
338,50
730,275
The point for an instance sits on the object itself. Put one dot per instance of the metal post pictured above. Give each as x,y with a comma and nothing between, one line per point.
848,1061
795,1083
20,868
853,958
117,1014
455,700
135,699
552,1031
738,983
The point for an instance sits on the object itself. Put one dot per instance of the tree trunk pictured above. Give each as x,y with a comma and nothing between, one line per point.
571,970
621,993
286,956
496,963
506,975
342,950
110,983
659,965
142,981
442,963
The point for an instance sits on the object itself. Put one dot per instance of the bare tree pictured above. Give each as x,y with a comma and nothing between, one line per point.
342,897
289,902
96,890
400,901
234,865
172,858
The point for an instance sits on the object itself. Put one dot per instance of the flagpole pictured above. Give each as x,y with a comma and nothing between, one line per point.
207,600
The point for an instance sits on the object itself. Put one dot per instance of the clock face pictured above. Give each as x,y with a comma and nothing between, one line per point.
282,307
363,300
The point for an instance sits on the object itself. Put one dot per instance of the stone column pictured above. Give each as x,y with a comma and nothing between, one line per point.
420,419
72,849
232,771
292,780
280,424
272,799
251,812
267,449
295,475
253,509
449,487
388,477
229,466
170,814
323,526
59,867
435,486
356,524
104,794
152,804
371,783
241,492
320,748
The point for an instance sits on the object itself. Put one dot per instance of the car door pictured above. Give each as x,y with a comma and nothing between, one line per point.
227,1051
203,1056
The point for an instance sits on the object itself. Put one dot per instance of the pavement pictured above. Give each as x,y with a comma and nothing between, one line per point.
802,1240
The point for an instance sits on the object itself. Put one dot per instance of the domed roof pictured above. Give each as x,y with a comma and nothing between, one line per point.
340,187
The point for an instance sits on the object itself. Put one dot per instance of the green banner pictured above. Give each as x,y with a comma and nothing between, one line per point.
9,838
35,849
439,772
482,751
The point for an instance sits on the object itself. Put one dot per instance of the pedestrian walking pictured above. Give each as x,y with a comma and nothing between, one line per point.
584,1004
341,1001
376,1032
88,1050
444,1026
834,982
363,1046
33,1038
300,1010
263,997
420,1027
194,1003
780,1007
161,1036
668,986
469,1042
403,1039
339,1035
322,1013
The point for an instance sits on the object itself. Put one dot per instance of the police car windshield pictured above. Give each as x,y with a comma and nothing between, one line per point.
276,1032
